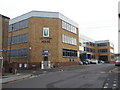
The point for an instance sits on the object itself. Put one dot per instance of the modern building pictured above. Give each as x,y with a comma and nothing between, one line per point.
4,23
100,50
42,39
105,50
87,47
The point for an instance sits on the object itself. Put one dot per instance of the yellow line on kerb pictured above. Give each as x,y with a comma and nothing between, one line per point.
113,70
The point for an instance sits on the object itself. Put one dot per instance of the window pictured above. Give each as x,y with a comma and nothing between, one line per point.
102,50
69,40
18,25
102,44
69,53
69,27
112,56
10,28
18,53
22,38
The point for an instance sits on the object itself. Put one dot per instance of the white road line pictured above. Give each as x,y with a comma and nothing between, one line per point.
102,72
105,87
114,85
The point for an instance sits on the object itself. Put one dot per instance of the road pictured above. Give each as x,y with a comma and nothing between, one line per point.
87,76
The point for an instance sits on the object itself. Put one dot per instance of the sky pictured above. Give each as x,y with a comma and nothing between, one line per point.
97,19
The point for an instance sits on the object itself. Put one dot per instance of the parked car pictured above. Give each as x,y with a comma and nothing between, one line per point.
85,62
117,63
89,61
81,63
94,61
102,61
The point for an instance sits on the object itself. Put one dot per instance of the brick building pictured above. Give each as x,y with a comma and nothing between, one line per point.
41,39
4,22
100,50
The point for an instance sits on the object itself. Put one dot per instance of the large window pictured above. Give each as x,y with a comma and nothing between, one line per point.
101,44
102,50
18,53
90,50
22,38
69,27
69,53
89,43
69,40
18,25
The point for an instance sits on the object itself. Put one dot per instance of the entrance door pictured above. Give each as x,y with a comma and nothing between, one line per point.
45,62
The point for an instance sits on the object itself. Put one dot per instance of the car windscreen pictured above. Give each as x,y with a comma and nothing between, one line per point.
117,60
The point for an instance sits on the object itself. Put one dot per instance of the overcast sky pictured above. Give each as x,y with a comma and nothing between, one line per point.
97,19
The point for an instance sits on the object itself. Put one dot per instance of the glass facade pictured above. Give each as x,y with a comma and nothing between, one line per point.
18,53
69,27
102,50
17,26
101,44
69,40
22,38
69,53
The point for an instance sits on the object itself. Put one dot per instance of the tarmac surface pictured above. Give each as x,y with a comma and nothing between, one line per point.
84,76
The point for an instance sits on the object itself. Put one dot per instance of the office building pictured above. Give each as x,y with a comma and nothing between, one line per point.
42,39
99,50
4,22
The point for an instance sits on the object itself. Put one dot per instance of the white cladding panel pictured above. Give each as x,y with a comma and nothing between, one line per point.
42,14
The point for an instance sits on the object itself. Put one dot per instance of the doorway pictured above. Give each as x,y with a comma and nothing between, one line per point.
45,63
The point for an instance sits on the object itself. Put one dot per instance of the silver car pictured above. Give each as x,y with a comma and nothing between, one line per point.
117,63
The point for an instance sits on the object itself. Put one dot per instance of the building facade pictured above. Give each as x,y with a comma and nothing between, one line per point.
119,27
4,22
87,47
43,39
105,51
100,50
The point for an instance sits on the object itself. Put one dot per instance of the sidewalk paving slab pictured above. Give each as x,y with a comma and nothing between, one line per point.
16,77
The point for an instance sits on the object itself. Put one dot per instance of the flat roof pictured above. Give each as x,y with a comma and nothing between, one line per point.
4,16
43,14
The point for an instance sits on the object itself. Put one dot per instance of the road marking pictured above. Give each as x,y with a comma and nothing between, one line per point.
105,87
102,72
114,85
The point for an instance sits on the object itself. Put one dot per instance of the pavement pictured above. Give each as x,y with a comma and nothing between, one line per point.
15,77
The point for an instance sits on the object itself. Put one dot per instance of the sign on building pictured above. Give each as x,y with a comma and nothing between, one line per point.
45,52
45,32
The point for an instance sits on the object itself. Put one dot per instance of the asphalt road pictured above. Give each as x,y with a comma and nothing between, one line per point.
89,76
